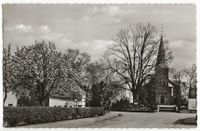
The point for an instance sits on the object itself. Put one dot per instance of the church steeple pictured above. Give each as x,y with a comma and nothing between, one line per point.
161,58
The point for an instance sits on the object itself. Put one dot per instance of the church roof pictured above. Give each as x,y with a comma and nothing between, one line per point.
161,58
173,84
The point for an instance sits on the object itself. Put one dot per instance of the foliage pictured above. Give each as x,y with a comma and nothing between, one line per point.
121,104
74,68
104,94
124,105
40,71
38,68
26,101
33,115
97,92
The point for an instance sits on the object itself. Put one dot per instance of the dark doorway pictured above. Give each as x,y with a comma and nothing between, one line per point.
162,99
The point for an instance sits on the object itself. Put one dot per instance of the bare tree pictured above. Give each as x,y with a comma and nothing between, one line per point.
176,76
190,75
185,79
132,56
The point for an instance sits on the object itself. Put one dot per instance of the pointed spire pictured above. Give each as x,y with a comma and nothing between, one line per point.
161,58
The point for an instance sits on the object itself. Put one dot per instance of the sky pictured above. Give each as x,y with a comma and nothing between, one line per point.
92,27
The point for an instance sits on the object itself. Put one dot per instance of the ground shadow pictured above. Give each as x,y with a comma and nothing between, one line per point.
186,121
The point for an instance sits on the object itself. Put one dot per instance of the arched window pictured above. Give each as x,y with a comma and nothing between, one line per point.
162,99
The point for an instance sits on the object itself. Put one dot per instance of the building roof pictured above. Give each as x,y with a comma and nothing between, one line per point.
68,94
64,97
161,58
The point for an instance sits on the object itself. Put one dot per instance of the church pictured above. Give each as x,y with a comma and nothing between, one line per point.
160,90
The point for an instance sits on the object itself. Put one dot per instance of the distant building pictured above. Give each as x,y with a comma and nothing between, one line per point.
125,94
192,103
58,99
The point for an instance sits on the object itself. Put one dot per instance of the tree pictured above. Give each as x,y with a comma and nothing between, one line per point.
7,72
185,79
105,93
104,87
96,72
190,75
132,56
74,68
37,68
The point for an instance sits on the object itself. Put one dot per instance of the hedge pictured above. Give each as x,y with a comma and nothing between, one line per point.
32,115
136,108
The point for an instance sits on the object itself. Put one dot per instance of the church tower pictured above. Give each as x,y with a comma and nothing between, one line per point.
160,90
162,93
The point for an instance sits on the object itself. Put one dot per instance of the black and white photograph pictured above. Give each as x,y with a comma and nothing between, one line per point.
99,66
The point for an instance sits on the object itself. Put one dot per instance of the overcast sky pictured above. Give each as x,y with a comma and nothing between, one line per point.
91,27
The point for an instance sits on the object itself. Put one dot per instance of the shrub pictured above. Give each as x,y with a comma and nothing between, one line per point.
121,104
33,115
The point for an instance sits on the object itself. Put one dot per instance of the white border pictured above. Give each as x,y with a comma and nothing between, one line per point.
101,1
197,2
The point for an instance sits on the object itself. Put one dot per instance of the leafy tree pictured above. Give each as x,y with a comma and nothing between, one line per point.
121,104
74,68
105,93
132,56
37,68
97,91
96,72
104,87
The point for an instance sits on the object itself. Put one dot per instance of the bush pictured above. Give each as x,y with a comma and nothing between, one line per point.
31,115
121,104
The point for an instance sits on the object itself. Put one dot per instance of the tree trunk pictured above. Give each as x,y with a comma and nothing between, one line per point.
42,102
135,98
5,97
86,100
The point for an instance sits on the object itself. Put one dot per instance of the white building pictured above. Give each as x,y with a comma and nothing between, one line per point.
55,100
192,103
61,101
126,94
11,99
